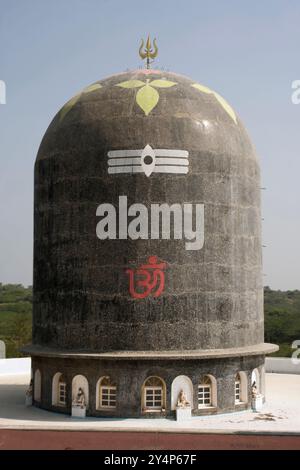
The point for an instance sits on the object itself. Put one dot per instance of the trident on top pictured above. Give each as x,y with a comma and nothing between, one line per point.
148,53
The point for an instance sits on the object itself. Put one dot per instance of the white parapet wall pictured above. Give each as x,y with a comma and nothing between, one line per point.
277,365
16,366
282,365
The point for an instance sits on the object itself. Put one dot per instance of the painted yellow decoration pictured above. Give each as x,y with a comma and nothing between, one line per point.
147,97
69,105
220,99
162,83
203,88
131,84
226,106
93,87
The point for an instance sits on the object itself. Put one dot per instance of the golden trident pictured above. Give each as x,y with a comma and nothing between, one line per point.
148,52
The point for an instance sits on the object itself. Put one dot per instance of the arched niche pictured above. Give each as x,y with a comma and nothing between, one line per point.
181,382
80,381
255,377
58,390
241,379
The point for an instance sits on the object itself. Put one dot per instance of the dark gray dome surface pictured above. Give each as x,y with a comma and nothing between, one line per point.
205,298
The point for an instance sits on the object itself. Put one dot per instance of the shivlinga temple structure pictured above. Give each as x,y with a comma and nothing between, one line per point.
148,287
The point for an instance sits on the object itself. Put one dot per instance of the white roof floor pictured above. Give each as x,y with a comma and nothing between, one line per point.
281,413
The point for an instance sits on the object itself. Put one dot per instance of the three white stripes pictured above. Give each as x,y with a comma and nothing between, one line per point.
148,161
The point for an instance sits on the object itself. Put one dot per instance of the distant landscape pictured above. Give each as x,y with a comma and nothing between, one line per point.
15,317
282,318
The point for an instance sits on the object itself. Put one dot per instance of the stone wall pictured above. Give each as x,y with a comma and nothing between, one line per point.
130,376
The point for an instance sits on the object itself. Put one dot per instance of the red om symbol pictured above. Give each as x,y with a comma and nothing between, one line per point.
150,278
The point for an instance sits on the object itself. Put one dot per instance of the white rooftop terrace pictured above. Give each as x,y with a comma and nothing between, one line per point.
280,414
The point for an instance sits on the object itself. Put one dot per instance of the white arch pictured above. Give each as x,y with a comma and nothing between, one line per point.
164,391
255,377
207,392
80,381
55,388
214,390
181,382
98,407
244,386
37,393
98,404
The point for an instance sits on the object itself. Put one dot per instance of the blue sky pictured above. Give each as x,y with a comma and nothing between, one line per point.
247,51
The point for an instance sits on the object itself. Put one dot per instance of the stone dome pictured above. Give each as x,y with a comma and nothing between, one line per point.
147,171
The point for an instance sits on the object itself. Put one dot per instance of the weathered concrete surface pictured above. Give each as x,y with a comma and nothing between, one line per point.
212,297
254,350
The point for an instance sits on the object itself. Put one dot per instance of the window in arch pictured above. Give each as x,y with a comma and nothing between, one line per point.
154,394
107,393
62,391
205,393
237,388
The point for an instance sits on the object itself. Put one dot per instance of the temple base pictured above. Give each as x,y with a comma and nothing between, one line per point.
141,386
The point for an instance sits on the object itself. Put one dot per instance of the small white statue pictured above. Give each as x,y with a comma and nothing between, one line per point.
182,401
29,389
79,400
254,390
28,394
